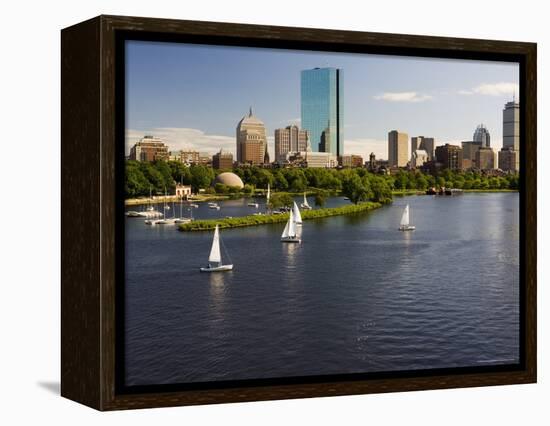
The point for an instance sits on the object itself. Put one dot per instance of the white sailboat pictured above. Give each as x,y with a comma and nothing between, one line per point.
305,205
405,221
215,259
297,215
268,196
290,233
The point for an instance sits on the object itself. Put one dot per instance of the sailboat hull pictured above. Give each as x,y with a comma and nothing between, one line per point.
221,268
290,240
407,228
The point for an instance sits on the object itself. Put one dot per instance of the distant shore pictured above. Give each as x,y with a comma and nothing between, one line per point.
220,197
254,220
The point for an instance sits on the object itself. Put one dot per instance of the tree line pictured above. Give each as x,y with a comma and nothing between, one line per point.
356,183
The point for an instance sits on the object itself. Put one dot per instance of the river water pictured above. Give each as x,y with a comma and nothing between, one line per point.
356,296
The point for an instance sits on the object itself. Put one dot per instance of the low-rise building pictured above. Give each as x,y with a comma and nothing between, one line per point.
485,158
418,158
450,156
308,159
351,160
508,160
183,191
222,160
149,148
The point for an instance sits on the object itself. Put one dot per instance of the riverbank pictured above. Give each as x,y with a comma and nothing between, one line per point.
174,198
253,220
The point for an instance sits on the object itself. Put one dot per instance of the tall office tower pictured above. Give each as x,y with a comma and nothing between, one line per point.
423,143
290,139
398,149
251,140
322,105
482,135
510,137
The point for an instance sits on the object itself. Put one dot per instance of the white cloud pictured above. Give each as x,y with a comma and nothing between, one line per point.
184,138
493,89
402,97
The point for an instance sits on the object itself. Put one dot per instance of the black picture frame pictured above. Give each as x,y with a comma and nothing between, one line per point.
93,132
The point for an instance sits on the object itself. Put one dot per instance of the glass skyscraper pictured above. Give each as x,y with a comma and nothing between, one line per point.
322,97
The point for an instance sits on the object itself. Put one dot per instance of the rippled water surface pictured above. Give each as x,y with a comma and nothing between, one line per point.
356,296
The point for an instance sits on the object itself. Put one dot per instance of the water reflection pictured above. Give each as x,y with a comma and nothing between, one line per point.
217,290
290,251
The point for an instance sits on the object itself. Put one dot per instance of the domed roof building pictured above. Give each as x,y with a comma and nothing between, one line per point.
251,140
229,179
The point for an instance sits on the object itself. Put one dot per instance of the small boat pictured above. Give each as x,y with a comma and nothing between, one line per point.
290,233
405,222
305,205
165,221
195,206
346,198
296,214
213,206
268,196
257,214
183,220
255,205
215,263
132,213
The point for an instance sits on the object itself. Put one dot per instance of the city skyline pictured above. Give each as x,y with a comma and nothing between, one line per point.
198,106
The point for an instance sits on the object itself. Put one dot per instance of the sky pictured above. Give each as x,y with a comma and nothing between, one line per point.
193,96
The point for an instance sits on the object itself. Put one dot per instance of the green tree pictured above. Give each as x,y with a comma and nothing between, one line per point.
201,177
381,190
353,188
320,198
280,199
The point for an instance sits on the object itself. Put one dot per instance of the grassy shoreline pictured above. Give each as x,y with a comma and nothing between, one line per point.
251,220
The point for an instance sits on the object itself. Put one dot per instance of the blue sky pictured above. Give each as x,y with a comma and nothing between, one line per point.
193,96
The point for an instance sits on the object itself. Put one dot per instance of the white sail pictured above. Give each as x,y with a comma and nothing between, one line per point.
268,194
405,217
297,215
215,254
292,223
305,201
286,233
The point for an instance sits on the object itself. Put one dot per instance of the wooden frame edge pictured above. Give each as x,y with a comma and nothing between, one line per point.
98,390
